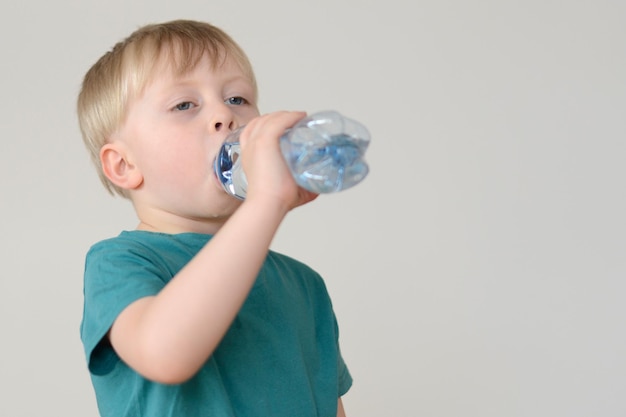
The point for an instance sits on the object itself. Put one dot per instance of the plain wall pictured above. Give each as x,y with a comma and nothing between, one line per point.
478,271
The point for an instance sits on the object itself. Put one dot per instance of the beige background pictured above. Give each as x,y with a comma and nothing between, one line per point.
478,271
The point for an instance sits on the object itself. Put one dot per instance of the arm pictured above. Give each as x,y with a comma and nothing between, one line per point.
168,337
340,410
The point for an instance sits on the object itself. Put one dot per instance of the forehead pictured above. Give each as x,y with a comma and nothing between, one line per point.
204,72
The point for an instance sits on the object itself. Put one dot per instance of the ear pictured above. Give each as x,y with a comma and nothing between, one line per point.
118,166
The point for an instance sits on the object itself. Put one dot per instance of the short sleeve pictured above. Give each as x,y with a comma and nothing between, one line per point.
345,378
117,272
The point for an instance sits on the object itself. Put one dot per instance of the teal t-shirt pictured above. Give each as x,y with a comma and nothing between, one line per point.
279,358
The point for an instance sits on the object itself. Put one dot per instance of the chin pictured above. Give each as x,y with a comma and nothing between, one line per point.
223,203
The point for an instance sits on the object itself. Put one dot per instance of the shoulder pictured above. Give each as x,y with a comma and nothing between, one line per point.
124,241
148,245
127,240
295,273
280,260
137,256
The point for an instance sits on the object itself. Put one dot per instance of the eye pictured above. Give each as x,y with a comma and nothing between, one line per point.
236,101
185,105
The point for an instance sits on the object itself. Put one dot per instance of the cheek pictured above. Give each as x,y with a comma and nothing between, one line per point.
187,165
173,158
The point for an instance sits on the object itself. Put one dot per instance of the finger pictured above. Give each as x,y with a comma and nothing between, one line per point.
271,125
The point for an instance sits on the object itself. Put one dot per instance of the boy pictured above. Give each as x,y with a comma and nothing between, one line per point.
192,314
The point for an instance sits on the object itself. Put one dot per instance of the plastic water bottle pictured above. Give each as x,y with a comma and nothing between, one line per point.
324,151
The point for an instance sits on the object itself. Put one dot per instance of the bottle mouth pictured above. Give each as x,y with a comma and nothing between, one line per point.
226,166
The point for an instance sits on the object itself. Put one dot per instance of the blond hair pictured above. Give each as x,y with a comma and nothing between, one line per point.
121,74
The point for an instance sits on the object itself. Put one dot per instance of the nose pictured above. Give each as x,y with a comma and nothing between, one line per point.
222,119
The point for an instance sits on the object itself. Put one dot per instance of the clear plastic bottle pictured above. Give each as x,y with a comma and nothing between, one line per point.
324,151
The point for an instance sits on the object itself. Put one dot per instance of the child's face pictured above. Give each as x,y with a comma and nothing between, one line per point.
173,132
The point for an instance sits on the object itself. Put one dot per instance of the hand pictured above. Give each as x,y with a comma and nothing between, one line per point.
266,170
